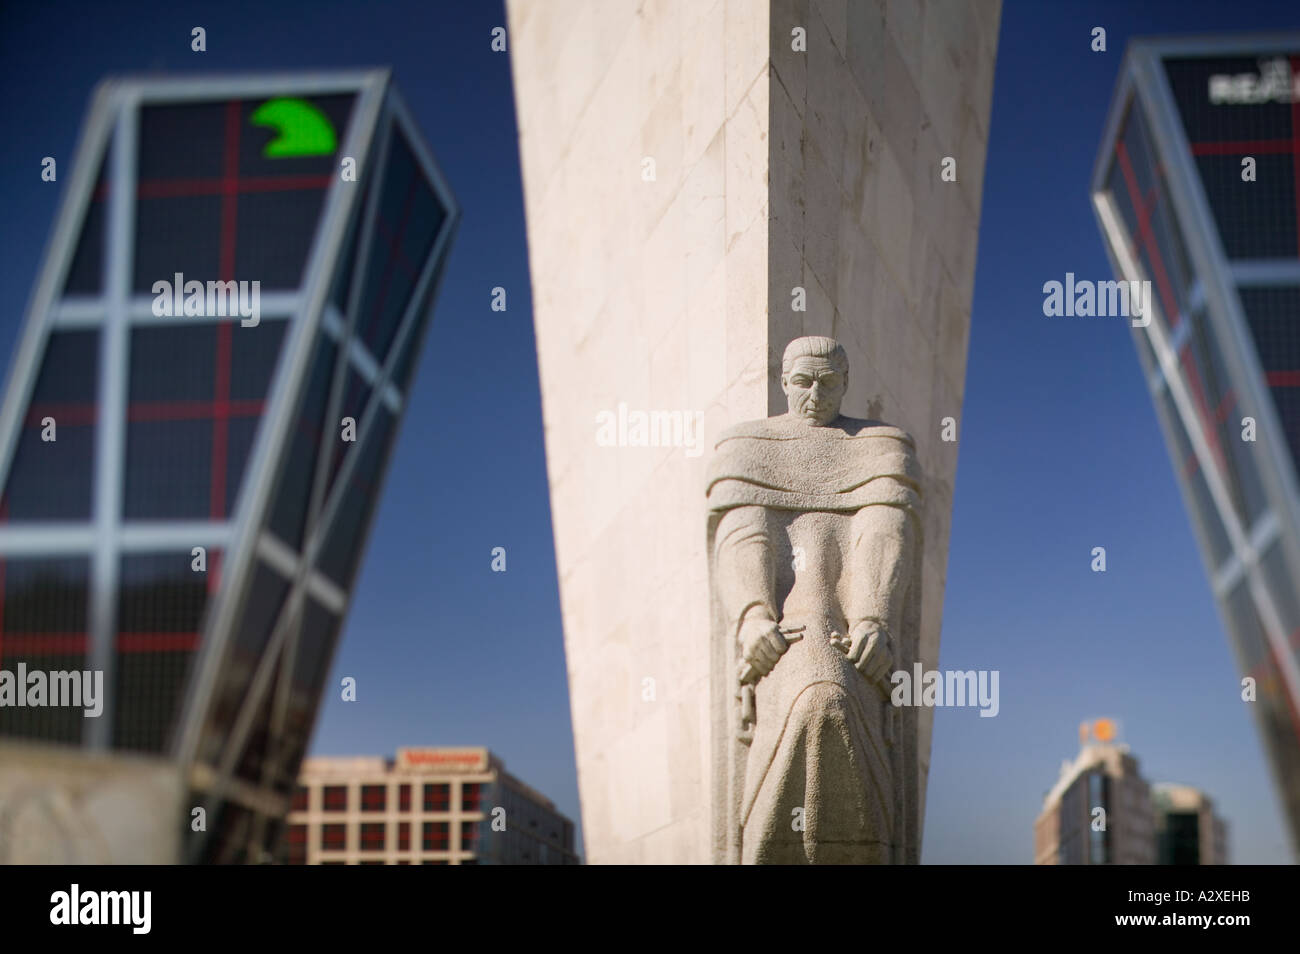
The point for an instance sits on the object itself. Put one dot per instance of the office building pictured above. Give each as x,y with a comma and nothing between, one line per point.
1099,811
425,806
193,440
1197,191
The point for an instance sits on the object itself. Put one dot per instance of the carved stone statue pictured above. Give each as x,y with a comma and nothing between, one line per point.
814,543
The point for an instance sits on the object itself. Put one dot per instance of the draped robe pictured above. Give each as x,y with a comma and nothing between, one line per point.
816,527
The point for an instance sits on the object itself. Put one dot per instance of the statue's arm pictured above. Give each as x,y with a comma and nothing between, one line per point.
884,544
745,568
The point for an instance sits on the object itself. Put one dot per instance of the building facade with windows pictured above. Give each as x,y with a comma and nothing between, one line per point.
1196,189
196,428
1099,811
1188,831
425,806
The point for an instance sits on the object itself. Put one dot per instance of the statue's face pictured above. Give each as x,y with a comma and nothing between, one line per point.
814,389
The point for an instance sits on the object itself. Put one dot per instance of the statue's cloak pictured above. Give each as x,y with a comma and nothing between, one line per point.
783,463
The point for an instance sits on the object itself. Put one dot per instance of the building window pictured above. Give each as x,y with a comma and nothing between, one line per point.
297,844
333,837
471,796
407,223
336,798
43,606
404,798
85,276
1099,843
437,798
196,395
160,608
52,480
372,836
225,207
403,836
300,799
289,512
469,836
345,539
435,836
315,645
374,798
265,599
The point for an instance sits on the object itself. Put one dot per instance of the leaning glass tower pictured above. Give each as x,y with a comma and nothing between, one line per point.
188,485
1197,190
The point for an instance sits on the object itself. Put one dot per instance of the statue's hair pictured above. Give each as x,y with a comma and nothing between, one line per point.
816,346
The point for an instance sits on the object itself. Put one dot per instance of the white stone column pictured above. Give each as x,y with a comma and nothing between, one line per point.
685,169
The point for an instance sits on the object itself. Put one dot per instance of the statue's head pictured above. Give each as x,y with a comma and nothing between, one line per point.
814,377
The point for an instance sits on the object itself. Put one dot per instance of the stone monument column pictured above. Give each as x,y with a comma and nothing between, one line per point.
703,183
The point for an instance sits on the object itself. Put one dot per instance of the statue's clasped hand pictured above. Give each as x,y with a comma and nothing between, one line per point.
762,644
870,649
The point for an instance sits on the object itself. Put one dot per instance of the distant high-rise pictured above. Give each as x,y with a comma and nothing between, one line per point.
1099,811
1188,832
1197,191
193,440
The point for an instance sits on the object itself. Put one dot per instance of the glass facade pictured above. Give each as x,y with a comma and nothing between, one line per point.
1098,826
1178,841
1196,192
180,504
44,602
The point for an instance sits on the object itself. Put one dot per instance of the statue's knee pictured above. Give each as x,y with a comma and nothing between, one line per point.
822,704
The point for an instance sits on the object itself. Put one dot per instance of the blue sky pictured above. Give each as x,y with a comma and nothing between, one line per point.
1060,448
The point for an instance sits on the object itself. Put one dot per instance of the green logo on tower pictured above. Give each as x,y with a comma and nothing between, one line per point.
303,129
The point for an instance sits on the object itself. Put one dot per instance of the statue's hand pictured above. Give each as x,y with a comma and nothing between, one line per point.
761,645
871,650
